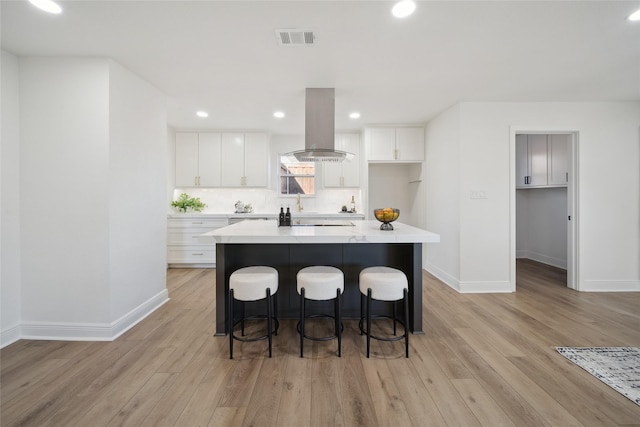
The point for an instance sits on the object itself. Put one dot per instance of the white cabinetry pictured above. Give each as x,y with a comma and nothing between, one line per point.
346,173
395,144
197,159
542,160
245,160
183,239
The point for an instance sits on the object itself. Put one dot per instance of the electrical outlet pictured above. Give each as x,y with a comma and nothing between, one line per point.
479,194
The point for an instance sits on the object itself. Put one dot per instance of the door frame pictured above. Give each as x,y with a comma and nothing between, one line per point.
573,256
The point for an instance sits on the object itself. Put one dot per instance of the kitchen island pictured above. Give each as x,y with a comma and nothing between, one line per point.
347,245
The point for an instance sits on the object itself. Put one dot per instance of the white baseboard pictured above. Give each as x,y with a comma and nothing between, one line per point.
91,331
544,259
443,276
10,335
610,286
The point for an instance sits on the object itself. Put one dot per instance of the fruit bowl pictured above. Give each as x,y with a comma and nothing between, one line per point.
386,216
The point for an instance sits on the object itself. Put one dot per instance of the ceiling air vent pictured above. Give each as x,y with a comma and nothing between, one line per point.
295,37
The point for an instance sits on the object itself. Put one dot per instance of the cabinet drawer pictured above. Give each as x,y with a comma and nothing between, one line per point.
209,223
187,236
188,255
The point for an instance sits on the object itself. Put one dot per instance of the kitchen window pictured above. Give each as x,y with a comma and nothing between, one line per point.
297,177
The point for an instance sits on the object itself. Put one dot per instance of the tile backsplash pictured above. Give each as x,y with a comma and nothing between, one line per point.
223,200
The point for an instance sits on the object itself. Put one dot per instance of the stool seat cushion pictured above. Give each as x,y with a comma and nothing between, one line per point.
251,283
320,282
386,283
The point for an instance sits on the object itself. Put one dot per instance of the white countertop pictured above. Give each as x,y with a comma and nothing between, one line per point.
260,232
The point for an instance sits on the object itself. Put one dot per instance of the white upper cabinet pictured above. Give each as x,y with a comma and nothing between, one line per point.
402,144
197,159
542,160
558,159
245,160
346,173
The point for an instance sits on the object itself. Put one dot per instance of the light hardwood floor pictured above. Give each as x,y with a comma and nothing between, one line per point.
486,359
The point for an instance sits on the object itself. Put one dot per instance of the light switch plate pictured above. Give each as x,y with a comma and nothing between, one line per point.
479,194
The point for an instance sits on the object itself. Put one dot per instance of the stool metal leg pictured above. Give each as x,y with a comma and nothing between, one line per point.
275,312
395,314
406,322
361,311
230,323
269,318
368,321
242,317
302,315
339,322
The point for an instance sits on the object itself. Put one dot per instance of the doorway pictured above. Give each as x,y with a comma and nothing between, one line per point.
543,200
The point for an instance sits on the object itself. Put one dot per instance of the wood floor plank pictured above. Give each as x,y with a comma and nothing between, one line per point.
484,359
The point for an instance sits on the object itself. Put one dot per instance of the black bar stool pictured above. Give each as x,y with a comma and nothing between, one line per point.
320,283
383,284
253,284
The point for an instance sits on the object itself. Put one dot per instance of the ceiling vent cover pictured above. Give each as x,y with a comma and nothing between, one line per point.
295,37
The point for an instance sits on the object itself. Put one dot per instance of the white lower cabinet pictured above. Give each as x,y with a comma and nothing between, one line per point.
183,239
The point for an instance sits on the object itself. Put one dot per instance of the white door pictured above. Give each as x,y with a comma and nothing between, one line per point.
256,159
232,159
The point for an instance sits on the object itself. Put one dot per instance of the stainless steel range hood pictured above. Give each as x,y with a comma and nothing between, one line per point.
319,138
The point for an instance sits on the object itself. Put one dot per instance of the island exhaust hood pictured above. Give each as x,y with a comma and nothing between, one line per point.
319,137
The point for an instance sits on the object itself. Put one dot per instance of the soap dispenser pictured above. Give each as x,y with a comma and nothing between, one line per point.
281,217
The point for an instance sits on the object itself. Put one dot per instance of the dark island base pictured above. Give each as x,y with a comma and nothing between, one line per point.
288,259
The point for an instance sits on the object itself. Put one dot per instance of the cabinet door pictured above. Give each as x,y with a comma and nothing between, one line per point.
410,144
256,160
381,144
558,159
537,146
350,142
186,159
232,160
209,159
346,173
522,161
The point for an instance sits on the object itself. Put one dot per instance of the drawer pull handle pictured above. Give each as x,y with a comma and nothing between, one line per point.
197,253
196,222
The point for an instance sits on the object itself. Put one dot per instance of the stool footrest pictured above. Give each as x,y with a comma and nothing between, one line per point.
328,337
261,337
381,316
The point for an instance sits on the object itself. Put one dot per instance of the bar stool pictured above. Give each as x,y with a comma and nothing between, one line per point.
384,284
320,283
253,284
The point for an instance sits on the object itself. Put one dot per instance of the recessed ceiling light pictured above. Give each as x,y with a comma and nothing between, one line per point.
47,6
354,115
403,8
202,114
278,114
635,16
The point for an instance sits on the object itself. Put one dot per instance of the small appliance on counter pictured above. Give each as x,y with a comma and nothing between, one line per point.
242,208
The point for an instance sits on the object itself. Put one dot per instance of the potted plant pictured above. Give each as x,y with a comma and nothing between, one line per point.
186,202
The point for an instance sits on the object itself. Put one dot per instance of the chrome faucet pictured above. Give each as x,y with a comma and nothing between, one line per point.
299,203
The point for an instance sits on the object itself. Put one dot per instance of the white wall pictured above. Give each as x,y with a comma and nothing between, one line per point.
10,276
442,183
394,185
90,176
137,182
64,188
608,191
541,225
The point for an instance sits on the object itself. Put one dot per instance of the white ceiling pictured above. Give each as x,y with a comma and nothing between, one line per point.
223,56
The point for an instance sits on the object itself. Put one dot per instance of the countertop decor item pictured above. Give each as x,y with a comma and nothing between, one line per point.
186,202
386,216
